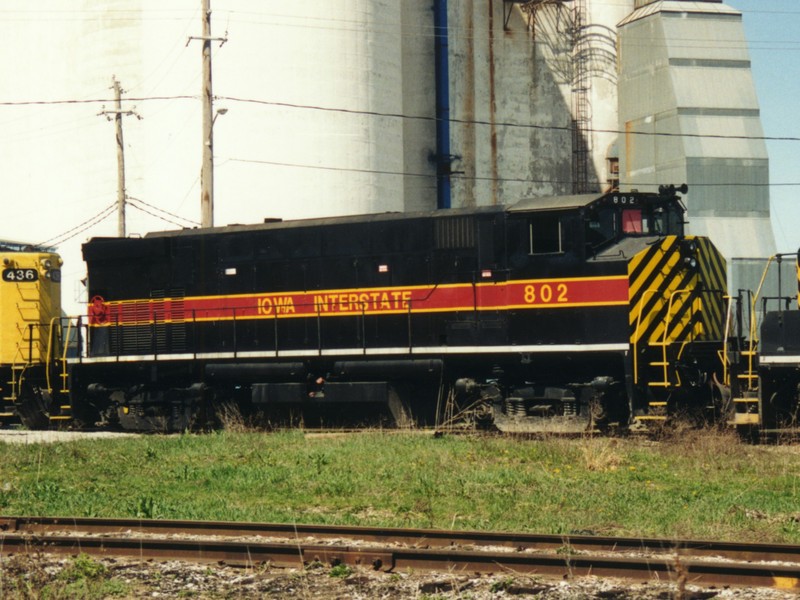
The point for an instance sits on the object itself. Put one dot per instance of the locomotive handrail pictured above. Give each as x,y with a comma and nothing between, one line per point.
119,335
667,323
725,359
363,328
235,337
48,353
83,342
30,343
153,334
691,330
194,333
275,332
319,328
410,344
151,341
636,339
65,344
753,329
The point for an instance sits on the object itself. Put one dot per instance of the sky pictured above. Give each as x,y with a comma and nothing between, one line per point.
772,29
58,160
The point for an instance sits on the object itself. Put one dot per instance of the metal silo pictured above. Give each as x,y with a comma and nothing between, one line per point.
688,107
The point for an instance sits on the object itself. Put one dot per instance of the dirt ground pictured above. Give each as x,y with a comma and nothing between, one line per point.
44,577
23,436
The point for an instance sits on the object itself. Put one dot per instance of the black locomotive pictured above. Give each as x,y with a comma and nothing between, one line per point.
578,311
763,352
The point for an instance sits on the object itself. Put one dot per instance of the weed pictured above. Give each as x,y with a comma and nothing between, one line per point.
319,460
230,417
601,455
26,576
341,571
83,567
146,508
502,585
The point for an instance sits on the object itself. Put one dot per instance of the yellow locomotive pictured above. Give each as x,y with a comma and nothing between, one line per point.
30,327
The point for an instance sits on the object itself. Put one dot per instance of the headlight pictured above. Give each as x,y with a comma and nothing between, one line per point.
688,249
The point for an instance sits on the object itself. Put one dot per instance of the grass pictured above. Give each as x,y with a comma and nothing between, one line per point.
698,485
81,577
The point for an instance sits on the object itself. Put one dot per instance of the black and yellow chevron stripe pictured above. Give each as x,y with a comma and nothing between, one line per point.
677,288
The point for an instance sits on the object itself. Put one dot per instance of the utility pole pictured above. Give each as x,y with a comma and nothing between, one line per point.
207,169
118,113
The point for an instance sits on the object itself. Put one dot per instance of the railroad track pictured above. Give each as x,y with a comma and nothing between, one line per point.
248,544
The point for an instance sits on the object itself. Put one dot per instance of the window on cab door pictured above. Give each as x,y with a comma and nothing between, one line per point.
546,235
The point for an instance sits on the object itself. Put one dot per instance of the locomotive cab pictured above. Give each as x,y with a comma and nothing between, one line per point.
585,226
627,216
630,284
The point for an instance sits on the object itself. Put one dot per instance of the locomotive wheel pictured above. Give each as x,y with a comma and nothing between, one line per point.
33,407
484,416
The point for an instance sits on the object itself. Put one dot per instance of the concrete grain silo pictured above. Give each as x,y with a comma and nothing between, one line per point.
336,141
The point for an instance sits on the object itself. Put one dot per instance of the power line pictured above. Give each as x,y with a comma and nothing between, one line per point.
370,113
464,177
563,128
152,214
173,215
91,100
329,168
78,229
107,212
282,20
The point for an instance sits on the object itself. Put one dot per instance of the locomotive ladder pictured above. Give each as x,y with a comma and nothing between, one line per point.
22,363
59,364
667,376
17,372
746,402
10,399
746,405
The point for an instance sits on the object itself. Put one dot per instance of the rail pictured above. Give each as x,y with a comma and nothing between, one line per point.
246,545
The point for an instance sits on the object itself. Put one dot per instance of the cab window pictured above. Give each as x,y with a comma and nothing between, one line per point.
546,235
667,221
601,227
632,220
